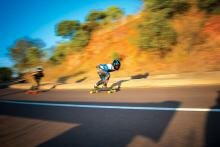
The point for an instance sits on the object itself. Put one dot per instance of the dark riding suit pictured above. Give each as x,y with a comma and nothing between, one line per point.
37,77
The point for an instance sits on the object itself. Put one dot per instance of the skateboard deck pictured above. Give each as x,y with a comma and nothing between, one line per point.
33,92
108,90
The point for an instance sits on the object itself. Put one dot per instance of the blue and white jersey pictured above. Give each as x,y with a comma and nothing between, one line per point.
106,67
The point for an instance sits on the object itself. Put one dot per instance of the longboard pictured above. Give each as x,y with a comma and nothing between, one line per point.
33,92
108,90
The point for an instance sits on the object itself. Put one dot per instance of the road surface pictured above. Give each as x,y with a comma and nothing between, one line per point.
153,117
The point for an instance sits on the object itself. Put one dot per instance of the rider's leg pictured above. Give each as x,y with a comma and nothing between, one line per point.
37,84
106,79
98,83
100,73
104,76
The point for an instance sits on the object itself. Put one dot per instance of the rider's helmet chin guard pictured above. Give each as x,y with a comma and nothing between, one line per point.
116,64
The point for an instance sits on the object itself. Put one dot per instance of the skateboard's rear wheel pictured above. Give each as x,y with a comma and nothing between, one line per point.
112,91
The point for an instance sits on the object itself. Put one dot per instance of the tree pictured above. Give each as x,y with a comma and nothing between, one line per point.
210,6
89,26
80,33
33,55
113,13
96,16
67,28
5,74
26,53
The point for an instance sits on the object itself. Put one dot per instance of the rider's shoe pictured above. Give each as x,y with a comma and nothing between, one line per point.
95,86
104,86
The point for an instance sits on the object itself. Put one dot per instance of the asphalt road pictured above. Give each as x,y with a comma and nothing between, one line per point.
154,117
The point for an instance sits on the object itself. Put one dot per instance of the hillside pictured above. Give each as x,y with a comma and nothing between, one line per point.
197,49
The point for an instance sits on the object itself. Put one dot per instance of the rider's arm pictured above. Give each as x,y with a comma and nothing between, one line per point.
110,68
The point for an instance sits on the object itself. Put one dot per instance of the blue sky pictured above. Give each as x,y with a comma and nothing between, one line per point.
37,18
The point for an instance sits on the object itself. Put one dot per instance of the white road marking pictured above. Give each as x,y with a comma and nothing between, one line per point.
111,106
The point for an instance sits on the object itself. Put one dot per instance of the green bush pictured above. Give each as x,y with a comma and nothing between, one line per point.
156,34
80,33
113,13
105,16
179,7
57,57
168,7
155,5
59,53
5,74
89,26
96,16
80,40
67,28
211,6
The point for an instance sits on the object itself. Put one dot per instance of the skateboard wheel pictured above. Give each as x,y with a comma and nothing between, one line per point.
93,91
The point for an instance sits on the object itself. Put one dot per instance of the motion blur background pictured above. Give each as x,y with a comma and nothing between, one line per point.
68,38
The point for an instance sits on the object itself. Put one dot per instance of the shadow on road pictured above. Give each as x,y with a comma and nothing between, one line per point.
63,79
19,91
117,85
81,80
4,85
99,127
140,76
12,92
52,87
212,130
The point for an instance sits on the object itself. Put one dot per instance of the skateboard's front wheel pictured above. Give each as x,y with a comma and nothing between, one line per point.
32,92
93,91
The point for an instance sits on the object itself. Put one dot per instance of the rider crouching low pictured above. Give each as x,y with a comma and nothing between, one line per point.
104,70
